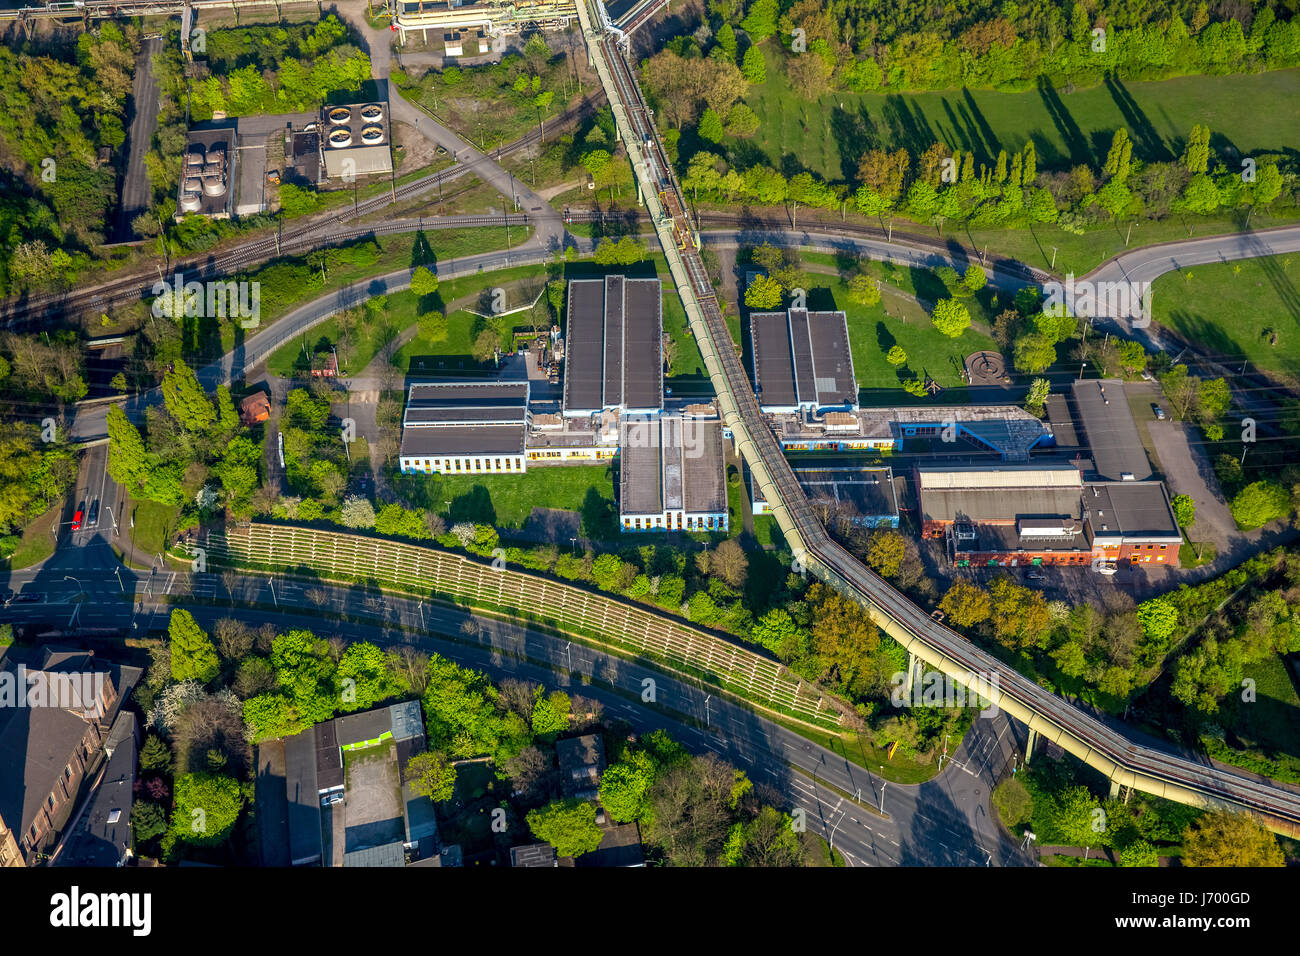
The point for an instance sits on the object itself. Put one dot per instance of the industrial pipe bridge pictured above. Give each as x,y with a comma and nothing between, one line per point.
1124,762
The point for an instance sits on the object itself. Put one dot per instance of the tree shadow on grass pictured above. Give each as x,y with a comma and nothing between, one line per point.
474,505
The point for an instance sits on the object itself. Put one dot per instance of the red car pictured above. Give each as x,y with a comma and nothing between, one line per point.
76,520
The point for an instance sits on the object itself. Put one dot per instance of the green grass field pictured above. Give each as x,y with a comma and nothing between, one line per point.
1225,308
1272,723
154,524
37,542
507,500
829,136
897,318
370,335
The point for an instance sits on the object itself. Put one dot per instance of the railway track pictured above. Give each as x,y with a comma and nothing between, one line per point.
1280,807
305,236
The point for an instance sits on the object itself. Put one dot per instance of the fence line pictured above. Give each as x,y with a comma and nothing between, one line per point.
610,623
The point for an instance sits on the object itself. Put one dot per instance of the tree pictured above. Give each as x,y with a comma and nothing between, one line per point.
1223,838
730,563
1033,353
625,786
885,553
760,20
753,66
433,326
432,775
864,290
128,461
896,356
485,345
975,278
568,825
1259,503
185,399
1159,619
357,512
207,806
1013,801
147,821
1075,817
966,604
551,713
1039,389
1139,853
193,655
951,317
726,39
1020,616
155,755
1184,510
763,293
711,127
423,281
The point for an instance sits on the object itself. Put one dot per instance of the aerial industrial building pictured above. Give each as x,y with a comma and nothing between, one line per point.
802,361
614,347
671,476
465,428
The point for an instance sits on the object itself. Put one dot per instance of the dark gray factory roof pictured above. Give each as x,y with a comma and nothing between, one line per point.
614,345
868,491
671,463
418,442
998,504
802,358
1109,429
1134,509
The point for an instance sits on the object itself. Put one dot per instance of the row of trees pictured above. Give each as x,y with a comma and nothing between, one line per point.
186,443
867,45
264,69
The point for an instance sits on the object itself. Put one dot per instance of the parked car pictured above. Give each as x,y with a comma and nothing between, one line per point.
92,519
1159,412
76,519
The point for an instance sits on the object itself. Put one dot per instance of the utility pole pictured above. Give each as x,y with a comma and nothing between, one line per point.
1053,265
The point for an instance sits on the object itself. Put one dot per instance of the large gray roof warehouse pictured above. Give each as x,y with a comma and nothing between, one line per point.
802,360
465,418
614,346
1110,431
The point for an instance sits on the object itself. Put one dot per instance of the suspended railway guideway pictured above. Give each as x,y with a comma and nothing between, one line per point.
1125,762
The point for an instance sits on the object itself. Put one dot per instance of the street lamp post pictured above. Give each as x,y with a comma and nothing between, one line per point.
707,721
568,651
76,607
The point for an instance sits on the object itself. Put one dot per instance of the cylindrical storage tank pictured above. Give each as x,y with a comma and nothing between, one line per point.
340,138
372,113
190,201
372,135
195,157
213,185
340,115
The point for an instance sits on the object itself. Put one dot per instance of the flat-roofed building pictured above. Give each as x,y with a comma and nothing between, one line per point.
465,428
614,346
671,475
865,495
1111,433
995,494
802,361
1133,521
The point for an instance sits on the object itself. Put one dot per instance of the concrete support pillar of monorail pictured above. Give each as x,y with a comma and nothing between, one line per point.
1029,745
1114,789
915,668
